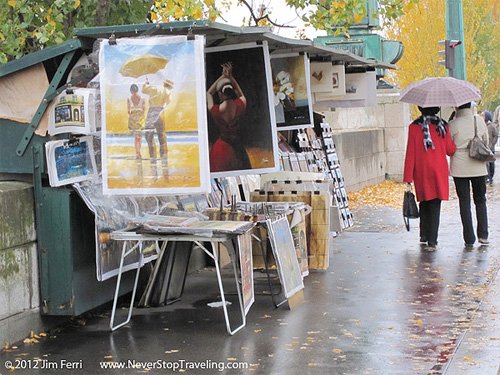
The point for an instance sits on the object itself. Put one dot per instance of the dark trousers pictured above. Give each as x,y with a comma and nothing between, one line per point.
430,211
462,186
491,170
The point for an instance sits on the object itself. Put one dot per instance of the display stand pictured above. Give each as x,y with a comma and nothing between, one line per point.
136,240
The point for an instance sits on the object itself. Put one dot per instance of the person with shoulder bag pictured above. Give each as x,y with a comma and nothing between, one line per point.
426,166
493,137
468,172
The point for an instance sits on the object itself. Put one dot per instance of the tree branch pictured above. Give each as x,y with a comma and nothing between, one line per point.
266,17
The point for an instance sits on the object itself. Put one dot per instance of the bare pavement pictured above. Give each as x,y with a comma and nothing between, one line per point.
385,306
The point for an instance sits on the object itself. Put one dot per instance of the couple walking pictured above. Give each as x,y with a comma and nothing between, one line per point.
430,140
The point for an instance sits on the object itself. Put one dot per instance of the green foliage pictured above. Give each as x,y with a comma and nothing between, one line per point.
116,12
25,25
337,15
420,59
29,25
182,10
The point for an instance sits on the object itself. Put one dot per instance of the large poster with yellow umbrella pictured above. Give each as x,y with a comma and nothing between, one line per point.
154,130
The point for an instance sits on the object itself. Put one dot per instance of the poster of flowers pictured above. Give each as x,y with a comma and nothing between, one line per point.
292,94
154,128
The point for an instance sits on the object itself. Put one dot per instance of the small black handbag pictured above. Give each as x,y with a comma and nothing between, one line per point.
410,209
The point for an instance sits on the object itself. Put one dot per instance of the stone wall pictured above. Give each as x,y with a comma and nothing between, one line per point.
371,141
19,295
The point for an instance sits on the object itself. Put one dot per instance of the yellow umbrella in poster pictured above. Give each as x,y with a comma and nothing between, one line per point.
140,65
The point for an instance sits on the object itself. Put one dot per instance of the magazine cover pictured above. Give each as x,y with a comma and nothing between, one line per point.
73,111
70,161
241,119
292,93
154,127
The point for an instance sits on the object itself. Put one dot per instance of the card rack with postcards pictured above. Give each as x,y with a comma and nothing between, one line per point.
326,161
336,174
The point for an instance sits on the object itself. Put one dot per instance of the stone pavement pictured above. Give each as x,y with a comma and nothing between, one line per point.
385,306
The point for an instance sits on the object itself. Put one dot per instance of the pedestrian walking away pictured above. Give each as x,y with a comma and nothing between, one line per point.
493,137
468,172
426,166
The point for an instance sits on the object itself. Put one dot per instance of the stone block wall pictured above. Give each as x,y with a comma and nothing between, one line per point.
19,292
371,141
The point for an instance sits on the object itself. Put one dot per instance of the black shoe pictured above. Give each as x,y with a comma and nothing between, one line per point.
469,246
483,241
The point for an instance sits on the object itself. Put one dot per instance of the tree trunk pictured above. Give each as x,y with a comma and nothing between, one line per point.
102,11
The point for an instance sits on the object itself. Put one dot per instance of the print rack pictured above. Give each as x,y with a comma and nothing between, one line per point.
318,154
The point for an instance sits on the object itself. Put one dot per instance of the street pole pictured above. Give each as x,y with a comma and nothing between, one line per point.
455,30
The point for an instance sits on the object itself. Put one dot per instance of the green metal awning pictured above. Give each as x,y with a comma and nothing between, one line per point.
216,34
39,56
219,34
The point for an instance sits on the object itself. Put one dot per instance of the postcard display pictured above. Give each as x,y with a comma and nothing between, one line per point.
326,161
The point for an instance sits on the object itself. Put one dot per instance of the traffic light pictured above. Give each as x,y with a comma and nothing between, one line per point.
448,52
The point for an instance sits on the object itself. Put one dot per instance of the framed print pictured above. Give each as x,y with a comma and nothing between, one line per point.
321,76
292,92
154,126
337,89
246,269
283,248
241,119
335,80
355,86
360,91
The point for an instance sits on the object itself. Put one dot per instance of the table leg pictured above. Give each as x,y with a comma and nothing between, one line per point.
118,282
221,288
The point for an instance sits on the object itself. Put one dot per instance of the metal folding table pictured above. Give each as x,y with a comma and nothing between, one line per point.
135,241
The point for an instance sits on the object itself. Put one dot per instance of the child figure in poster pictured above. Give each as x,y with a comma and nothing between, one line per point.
159,98
227,153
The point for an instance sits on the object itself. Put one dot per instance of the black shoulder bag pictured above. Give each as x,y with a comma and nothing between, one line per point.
410,209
